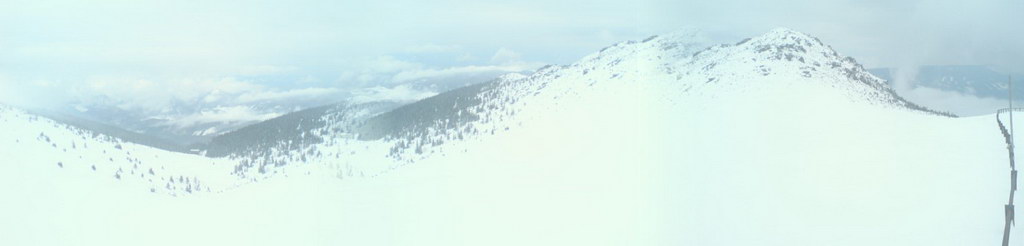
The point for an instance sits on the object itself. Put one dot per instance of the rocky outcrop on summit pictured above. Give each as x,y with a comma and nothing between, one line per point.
786,52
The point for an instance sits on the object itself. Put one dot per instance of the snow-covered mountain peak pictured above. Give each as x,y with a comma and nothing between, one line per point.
781,44
674,45
783,35
779,51
782,58
785,44
686,38
676,73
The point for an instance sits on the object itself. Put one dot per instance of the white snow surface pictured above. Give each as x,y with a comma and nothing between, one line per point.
668,141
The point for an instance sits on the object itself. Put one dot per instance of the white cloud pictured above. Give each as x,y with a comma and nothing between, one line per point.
266,70
264,96
10,92
420,74
160,96
374,70
953,102
505,56
431,49
388,70
389,64
466,57
308,79
400,93
220,115
347,76
367,78
963,104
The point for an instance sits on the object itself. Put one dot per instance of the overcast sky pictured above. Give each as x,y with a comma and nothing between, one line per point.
145,51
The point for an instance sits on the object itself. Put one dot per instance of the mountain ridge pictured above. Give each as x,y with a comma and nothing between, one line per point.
664,66
655,142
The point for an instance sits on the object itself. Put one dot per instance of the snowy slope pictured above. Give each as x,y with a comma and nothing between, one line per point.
776,140
34,143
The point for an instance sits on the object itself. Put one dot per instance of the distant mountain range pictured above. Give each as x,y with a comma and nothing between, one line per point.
197,122
980,81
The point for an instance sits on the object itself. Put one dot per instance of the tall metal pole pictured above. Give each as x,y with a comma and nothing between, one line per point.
1008,209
